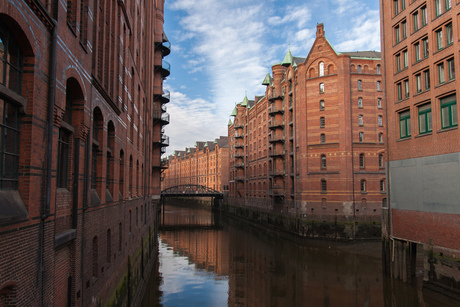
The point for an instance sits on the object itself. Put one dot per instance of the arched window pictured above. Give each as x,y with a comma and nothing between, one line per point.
359,69
96,158
121,183
322,122
378,69
382,186
360,102
361,120
323,186
110,160
361,137
360,85
321,87
323,161
321,105
321,69
363,186
11,69
323,138
381,161
361,160
131,176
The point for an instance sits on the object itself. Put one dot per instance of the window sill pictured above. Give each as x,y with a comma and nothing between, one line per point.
447,129
423,134
444,83
404,139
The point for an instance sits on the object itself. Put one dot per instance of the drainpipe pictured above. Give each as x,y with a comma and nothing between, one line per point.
45,210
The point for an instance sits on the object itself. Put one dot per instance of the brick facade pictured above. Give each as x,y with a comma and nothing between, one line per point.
206,165
420,51
298,149
81,180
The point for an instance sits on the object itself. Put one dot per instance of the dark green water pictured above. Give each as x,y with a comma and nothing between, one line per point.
207,259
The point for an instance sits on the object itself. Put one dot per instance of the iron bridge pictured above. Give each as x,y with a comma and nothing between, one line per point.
191,190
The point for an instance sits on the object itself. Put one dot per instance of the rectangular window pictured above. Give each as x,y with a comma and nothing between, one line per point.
397,38
424,118
396,6
380,137
439,41
451,67
426,51
360,102
417,52
10,119
380,120
426,73
437,4
449,112
441,73
406,88
379,87
418,82
424,16
379,103
404,29
399,90
406,58
448,4
415,17
449,34
63,158
404,124
398,62
361,120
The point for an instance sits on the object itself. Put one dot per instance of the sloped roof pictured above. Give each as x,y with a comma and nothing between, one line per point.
363,54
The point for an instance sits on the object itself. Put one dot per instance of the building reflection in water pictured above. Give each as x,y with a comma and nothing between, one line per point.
263,269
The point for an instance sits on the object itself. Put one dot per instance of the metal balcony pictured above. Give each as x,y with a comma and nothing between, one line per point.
165,68
239,145
239,164
166,48
275,95
164,140
276,152
238,135
272,123
277,172
166,97
275,109
275,138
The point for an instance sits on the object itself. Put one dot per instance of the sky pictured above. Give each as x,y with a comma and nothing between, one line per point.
221,51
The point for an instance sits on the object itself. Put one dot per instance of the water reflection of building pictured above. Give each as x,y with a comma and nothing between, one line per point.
420,47
267,271
206,164
207,249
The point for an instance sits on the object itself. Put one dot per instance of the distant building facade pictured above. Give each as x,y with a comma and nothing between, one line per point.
314,145
82,110
420,51
206,164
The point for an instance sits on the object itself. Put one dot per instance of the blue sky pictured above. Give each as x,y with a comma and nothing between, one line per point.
222,49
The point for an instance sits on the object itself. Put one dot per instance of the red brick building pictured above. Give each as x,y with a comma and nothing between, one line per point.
420,52
82,110
313,145
206,165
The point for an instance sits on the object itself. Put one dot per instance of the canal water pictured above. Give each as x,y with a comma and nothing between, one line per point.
209,259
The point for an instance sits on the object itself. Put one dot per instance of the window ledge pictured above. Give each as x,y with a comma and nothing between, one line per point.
13,208
404,139
423,134
447,129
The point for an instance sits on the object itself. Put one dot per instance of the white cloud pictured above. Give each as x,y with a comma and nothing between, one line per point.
365,35
347,6
192,120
